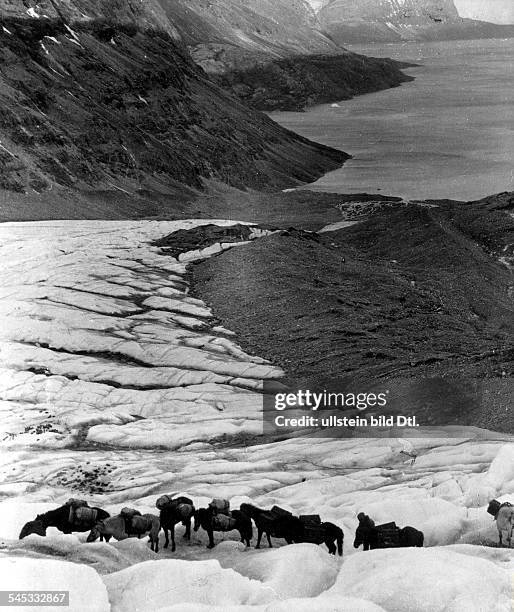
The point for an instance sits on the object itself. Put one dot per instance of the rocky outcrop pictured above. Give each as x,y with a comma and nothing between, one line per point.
357,21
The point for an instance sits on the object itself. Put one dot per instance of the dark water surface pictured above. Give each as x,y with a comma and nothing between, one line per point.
448,134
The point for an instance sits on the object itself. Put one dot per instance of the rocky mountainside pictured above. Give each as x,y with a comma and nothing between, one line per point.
105,113
263,51
394,291
102,108
356,21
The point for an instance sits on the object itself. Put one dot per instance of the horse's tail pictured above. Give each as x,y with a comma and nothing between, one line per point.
340,538
421,539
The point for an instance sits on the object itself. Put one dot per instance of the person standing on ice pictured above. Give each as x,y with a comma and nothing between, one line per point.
366,523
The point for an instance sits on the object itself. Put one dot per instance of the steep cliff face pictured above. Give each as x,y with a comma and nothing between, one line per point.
279,27
353,21
93,106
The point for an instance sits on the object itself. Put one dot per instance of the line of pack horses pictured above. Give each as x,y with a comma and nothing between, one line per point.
78,516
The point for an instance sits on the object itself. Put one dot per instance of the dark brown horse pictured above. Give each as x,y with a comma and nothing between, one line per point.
60,519
114,526
210,522
288,527
293,530
324,533
179,510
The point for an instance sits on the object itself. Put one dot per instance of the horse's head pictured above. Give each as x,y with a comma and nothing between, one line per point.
202,517
359,537
94,534
36,527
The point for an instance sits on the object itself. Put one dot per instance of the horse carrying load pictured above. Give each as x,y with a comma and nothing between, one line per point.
495,506
503,514
175,510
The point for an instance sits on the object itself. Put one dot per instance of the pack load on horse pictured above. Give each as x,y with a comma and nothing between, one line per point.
128,515
279,512
80,513
313,531
222,522
503,514
495,506
221,515
220,506
388,535
169,500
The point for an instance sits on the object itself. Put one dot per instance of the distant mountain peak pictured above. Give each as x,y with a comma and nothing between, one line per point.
355,21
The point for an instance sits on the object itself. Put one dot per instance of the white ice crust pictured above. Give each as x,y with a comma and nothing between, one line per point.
117,385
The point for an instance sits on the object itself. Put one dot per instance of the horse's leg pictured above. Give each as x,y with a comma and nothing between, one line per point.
259,536
166,537
331,547
211,539
187,533
500,538
269,540
154,541
172,530
107,538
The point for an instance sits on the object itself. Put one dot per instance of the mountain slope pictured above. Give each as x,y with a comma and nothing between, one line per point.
262,50
401,292
355,21
100,107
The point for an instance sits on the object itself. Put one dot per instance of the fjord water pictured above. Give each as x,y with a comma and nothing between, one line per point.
448,134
